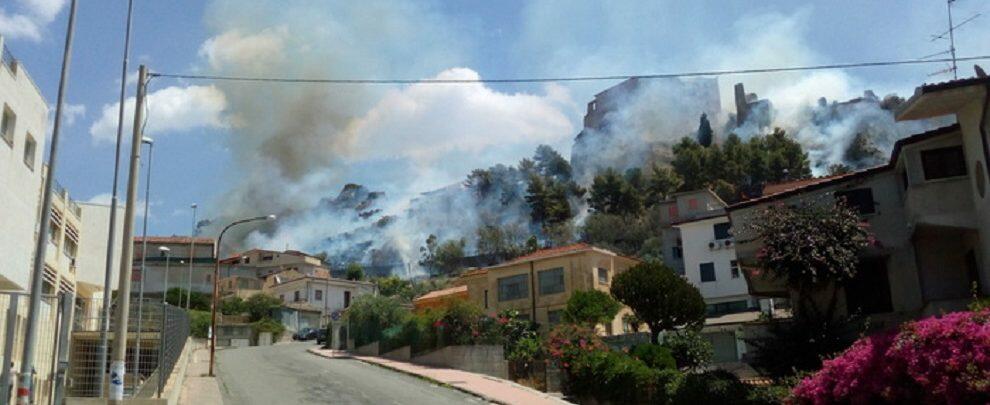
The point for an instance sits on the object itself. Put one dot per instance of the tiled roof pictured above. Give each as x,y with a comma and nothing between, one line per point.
952,84
446,292
551,252
173,240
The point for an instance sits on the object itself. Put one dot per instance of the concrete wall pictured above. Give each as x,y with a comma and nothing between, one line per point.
403,353
970,117
370,349
91,262
482,359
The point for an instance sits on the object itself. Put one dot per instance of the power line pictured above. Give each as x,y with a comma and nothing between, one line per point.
563,79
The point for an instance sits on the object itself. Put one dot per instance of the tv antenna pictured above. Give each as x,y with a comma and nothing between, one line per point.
950,35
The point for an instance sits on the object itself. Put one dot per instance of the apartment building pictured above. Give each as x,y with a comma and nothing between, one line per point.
184,254
927,208
260,263
23,122
539,284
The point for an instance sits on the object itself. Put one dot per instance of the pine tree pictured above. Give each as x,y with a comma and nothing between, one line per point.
705,134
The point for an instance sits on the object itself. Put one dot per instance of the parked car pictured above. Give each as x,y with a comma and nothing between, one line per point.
304,334
321,336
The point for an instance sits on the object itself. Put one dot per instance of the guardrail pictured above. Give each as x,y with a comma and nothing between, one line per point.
8,59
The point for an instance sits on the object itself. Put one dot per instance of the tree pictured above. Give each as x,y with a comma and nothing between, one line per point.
428,253
811,247
354,272
370,314
591,307
623,234
705,133
663,182
232,306
449,256
392,286
500,242
261,306
612,194
197,300
551,165
659,297
689,163
547,200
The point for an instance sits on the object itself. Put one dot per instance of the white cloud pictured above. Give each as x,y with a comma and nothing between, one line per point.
28,18
102,198
172,109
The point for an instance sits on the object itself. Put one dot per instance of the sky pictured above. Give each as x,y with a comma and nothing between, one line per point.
238,149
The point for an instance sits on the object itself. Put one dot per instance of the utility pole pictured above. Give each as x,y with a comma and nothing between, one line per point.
117,367
192,255
108,277
24,389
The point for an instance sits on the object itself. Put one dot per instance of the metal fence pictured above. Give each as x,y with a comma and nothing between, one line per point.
157,334
13,325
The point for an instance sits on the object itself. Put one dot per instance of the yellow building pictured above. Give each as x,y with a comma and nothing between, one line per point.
555,273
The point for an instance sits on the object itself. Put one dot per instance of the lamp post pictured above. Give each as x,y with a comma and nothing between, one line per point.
216,284
144,256
192,255
167,252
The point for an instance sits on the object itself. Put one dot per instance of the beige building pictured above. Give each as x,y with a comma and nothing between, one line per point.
539,284
314,293
178,259
927,209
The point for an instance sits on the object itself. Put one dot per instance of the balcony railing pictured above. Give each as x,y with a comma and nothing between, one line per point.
8,59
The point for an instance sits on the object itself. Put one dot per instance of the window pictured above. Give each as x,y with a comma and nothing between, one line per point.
513,287
723,308
707,272
734,268
672,210
869,290
295,296
486,299
553,317
267,258
30,147
246,260
602,275
70,248
693,204
943,162
281,297
722,230
678,252
551,281
859,199
7,125
347,299
319,295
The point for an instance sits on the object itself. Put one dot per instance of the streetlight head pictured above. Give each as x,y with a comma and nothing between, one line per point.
193,206
271,217
147,140
164,249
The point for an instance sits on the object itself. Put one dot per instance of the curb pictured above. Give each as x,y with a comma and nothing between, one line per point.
441,383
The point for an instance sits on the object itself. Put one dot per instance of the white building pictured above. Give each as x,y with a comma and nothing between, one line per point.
22,139
91,261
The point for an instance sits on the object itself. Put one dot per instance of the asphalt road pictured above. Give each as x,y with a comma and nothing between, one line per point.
287,374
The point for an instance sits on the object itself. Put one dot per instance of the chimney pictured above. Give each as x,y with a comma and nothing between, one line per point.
742,106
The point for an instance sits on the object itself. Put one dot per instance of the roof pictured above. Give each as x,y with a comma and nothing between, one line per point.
701,217
781,190
557,252
474,272
817,183
174,239
951,84
446,292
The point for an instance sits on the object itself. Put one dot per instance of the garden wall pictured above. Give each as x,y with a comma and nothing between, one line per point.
482,359
402,353
370,349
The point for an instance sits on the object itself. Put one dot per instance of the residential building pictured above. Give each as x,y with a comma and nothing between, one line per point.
178,261
23,122
440,298
316,292
927,209
260,263
92,257
539,284
681,208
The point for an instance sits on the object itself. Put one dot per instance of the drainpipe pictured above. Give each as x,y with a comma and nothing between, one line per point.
983,129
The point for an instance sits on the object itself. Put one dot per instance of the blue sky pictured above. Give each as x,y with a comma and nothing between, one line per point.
217,146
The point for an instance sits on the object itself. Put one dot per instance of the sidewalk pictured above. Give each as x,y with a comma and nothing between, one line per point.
198,387
489,388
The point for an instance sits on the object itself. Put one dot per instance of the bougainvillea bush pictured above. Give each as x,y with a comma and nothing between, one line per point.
936,360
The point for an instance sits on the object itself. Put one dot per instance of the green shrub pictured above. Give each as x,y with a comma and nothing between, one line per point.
528,350
269,325
197,300
199,323
261,306
369,315
615,376
689,349
591,307
655,356
712,387
232,306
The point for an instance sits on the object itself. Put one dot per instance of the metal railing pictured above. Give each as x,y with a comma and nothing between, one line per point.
8,59
158,346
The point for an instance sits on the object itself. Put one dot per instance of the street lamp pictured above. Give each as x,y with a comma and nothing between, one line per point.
216,283
192,251
165,251
144,255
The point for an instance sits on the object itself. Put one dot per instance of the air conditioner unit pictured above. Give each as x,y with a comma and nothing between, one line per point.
727,243
714,245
